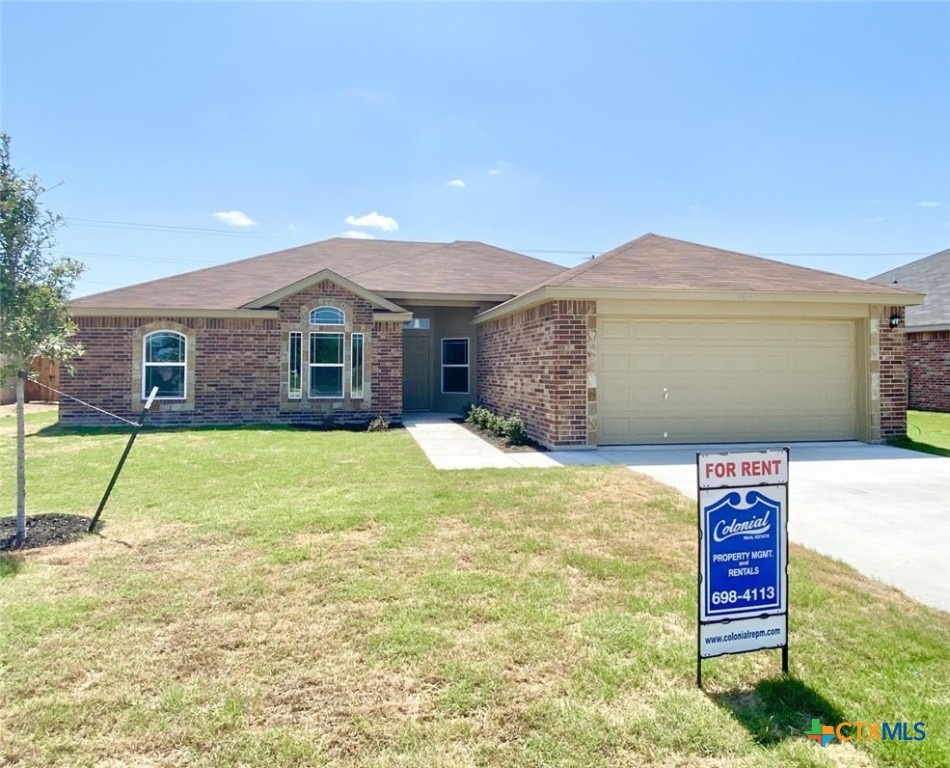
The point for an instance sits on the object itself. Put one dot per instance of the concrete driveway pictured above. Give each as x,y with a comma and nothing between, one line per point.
884,511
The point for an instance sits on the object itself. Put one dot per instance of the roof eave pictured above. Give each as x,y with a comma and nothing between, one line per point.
551,293
169,312
927,328
471,299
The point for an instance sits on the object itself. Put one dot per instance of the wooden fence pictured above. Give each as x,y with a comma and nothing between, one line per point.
47,373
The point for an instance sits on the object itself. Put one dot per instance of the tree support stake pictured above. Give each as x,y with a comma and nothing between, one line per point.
125,454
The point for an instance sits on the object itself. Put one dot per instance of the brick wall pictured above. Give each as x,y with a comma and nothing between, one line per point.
536,363
386,370
888,375
928,368
237,367
231,379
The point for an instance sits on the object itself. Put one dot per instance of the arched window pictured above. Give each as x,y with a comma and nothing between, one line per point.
163,365
326,316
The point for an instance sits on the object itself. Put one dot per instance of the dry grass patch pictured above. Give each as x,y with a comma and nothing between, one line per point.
391,615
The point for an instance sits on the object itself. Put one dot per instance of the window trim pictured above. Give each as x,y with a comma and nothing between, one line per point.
340,316
341,365
466,366
183,364
298,393
418,324
357,394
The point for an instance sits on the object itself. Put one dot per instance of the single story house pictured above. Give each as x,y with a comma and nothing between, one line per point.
927,331
657,341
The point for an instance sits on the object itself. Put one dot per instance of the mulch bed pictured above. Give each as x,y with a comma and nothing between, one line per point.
499,442
43,531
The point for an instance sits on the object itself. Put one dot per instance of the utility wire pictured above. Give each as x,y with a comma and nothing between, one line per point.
134,225
82,402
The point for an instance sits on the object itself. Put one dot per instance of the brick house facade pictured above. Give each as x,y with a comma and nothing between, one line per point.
288,338
236,369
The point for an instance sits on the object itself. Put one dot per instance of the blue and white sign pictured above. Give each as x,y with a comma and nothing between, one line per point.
743,553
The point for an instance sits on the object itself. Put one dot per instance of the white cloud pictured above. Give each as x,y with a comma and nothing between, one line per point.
235,218
929,204
355,234
498,168
373,221
455,183
872,220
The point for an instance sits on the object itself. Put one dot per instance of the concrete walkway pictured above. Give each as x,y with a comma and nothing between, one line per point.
451,446
884,511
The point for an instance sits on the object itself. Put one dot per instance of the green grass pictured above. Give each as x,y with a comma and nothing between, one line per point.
927,431
272,597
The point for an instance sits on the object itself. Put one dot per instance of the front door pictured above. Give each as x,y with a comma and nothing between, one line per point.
416,373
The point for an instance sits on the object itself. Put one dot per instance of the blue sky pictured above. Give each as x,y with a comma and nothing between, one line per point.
818,134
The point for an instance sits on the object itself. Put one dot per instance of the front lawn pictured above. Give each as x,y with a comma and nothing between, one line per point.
927,431
273,597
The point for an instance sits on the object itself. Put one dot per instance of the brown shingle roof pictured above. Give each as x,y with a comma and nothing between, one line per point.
653,262
387,267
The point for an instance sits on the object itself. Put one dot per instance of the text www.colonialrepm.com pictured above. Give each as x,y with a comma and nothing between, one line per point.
749,634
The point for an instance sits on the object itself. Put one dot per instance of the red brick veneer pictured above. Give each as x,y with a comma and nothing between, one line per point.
536,363
893,375
238,367
928,368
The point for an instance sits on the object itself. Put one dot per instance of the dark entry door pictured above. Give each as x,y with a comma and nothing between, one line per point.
416,372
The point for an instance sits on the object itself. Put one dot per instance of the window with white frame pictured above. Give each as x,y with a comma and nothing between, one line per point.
326,365
164,364
326,316
294,366
356,366
455,366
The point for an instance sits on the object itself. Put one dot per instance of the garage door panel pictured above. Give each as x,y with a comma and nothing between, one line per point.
686,381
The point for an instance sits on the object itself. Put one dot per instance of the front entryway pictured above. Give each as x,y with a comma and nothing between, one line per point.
416,372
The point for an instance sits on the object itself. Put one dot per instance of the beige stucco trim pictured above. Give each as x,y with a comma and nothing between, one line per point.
170,312
719,309
927,328
392,317
554,293
324,274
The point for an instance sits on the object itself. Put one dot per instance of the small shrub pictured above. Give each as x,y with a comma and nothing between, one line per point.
480,417
512,428
379,424
474,415
495,424
515,432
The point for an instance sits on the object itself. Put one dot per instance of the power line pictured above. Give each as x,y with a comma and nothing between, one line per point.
137,257
141,226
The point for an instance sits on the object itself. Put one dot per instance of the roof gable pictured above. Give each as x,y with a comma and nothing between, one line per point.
277,296
653,262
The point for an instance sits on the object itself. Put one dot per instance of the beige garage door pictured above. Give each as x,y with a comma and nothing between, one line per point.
676,381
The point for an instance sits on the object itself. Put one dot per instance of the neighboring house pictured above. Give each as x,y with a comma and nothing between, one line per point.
657,341
927,330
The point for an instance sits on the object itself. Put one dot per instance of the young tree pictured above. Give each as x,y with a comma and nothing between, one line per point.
34,289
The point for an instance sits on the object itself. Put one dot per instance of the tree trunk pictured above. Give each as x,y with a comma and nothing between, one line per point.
20,459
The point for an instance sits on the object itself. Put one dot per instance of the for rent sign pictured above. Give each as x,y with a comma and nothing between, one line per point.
743,553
